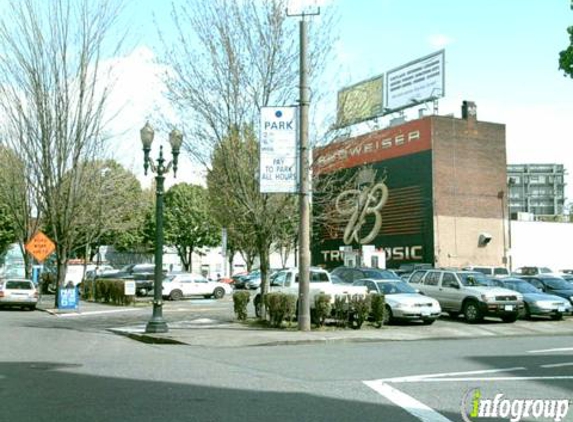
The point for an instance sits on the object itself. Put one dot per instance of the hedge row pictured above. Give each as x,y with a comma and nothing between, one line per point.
107,291
349,310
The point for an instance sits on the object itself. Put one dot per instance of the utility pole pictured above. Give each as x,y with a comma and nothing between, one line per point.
304,202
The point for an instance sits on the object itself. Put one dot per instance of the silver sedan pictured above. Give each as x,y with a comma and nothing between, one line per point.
403,301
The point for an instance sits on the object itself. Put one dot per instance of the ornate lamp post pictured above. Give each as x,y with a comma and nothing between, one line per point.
157,324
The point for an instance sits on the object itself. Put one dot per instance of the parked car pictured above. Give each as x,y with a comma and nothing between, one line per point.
287,281
405,270
18,292
403,301
489,271
535,301
239,280
142,274
180,285
469,293
532,271
351,274
567,277
551,284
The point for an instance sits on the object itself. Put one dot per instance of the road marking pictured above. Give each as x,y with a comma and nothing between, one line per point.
415,378
111,311
465,379
562,349
406,402
557,365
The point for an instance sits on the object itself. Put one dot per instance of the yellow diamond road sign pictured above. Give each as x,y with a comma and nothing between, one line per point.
40,246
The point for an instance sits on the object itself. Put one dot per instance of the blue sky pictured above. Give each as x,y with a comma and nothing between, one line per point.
502,54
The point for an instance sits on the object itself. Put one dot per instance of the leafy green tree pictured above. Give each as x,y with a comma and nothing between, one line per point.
140,237
7,228
566,56
114,208
189,223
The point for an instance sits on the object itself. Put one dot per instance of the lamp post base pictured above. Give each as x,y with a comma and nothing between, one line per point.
156,326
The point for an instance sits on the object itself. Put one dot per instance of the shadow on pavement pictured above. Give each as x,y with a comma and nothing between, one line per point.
44,391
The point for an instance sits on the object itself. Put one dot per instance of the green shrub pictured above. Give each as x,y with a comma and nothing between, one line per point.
107,291
289,305
341,310
47,279
280,307
240,301
359,309
322,308
377,302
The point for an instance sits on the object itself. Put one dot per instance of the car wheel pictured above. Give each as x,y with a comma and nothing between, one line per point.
509,318
557,317
176,295
218,293
142,292
32,307
428,321
472,312
257,303
387,315
527,312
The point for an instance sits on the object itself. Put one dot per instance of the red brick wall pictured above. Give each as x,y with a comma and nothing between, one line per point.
469,167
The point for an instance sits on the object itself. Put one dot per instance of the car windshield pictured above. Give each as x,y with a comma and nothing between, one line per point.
558,284
475,279
395,287
19,285
521,287
380,274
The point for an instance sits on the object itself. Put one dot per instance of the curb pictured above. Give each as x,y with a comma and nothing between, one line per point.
148,339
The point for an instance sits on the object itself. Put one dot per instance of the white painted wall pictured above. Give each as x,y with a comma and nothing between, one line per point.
536,243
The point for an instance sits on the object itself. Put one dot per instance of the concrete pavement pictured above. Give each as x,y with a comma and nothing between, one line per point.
225,334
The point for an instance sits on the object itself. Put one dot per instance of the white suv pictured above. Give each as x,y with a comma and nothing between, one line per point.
469,293
489,271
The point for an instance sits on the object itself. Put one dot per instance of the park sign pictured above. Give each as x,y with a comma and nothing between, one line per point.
40,247
278,150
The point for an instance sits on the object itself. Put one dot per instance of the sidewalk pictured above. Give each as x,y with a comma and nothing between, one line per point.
46,303
210,333
206,332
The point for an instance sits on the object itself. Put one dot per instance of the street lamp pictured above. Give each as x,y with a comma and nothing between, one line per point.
157,324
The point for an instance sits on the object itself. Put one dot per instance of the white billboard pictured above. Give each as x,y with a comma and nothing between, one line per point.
278,150
416,82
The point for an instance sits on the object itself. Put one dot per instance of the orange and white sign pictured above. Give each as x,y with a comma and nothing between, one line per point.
40,247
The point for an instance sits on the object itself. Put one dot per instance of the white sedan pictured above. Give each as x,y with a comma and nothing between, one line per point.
18,292
178,286
403,301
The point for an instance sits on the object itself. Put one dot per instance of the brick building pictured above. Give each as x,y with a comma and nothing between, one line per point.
429,190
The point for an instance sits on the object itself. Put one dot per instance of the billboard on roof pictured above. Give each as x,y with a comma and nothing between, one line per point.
416,82
360,102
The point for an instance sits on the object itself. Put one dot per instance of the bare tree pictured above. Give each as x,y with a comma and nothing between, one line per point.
19,200
53,103
231,58
234,193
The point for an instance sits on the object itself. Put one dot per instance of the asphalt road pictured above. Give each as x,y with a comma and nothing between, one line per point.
70,369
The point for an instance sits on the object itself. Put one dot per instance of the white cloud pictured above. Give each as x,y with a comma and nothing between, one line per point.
138,96
439,40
